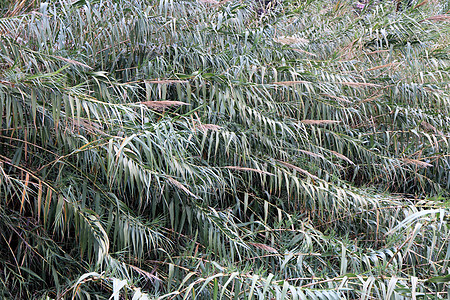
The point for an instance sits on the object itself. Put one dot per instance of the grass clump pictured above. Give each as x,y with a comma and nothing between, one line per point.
205,150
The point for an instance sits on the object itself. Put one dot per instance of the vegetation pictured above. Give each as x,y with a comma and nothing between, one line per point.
207,150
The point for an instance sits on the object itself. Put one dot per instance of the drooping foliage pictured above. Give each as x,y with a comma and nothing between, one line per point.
206,150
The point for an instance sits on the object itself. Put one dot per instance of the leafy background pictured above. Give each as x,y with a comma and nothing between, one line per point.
205,150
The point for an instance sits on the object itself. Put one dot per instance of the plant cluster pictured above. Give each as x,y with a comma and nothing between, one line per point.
210,150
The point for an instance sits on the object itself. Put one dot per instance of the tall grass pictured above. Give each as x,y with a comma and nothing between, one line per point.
206,150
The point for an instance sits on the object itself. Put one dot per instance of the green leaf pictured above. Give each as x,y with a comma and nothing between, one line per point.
439,279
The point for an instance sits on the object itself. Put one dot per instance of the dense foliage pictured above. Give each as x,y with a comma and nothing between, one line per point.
204,149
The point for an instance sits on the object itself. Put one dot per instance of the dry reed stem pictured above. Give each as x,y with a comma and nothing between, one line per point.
445,17
319,122
371,98
264,247
417,162
337,98
290,83
383,66
303,51
74,62
209,1
181,186
421,4
90,126
298,169
162,105
343,157
166,81
249,169
360,84
377,51
289,40
206,127
312,154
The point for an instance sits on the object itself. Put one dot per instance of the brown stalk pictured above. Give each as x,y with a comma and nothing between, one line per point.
319,122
